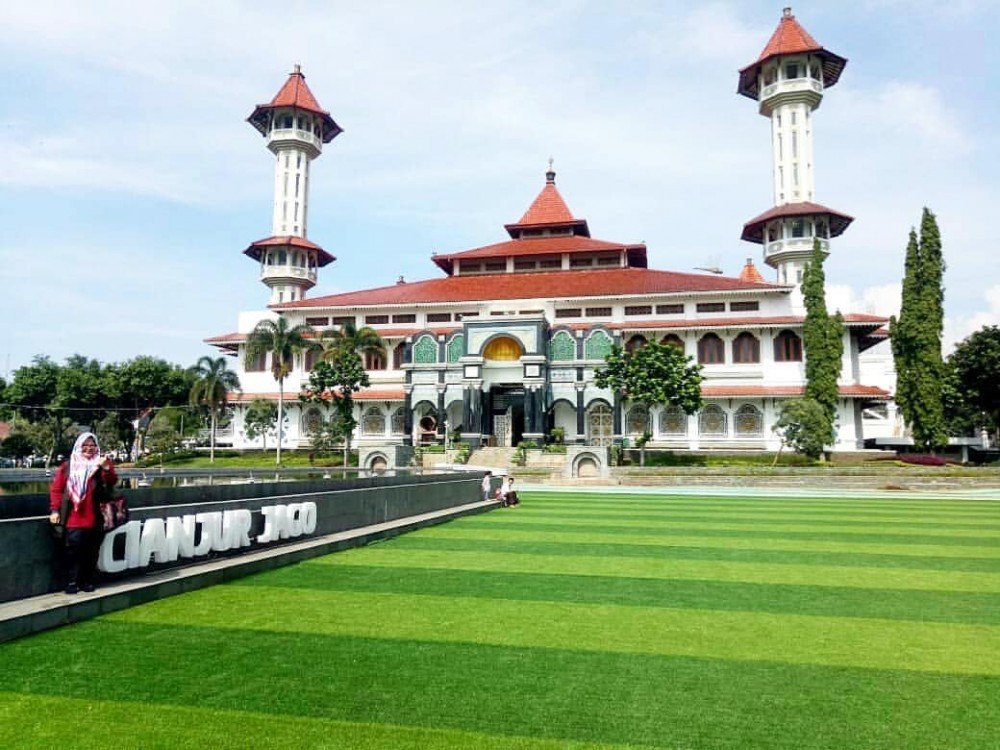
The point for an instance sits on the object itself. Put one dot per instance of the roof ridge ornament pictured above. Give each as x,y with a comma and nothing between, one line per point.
787,13
550,174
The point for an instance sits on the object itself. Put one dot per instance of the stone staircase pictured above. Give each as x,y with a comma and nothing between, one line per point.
492,458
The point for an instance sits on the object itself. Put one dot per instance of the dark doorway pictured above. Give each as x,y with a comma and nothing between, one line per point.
507,414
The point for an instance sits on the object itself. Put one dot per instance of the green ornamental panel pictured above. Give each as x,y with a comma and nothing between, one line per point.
425,351
562,348
598,345
456,347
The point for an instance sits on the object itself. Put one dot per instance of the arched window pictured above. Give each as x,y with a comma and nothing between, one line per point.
562,348
746,349
673,421
282,257
672,339
257,364
374,361
309,359
398,353
398,425
787,347
635,343
456,347
712,421
637,420
749,421
598,345
600,425
425,350
711,350
373,422
311,420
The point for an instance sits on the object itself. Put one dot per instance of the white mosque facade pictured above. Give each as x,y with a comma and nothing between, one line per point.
502,345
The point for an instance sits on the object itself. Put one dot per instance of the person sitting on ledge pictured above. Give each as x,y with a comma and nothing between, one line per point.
73,505
506,494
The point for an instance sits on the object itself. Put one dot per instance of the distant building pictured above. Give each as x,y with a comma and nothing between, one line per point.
503,345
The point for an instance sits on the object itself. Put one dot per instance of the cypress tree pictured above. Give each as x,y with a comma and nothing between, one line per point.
822,338
916,338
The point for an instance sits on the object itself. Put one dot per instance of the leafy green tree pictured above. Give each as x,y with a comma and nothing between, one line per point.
16,445
212,385
109,432
916,337
654,374
261,418
143,383
163,435
336,380
976,367
282,342
804,426
33,388
822,339
364,341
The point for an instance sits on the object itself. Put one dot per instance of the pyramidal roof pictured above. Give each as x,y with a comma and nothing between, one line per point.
548,211
295,93
790,39
751,274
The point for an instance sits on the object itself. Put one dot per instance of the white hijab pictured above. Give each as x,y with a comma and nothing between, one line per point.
81,468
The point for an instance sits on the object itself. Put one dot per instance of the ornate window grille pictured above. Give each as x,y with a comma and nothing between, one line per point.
425,350
373,421
637,420
562,348
712,422
456,347
600,425
598,345
398,425
749,421
673,421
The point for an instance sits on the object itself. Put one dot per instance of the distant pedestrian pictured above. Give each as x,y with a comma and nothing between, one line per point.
73,498
487,484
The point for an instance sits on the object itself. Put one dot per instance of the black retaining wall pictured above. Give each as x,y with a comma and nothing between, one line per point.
27,549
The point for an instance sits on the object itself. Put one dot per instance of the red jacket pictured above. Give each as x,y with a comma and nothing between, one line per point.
83,516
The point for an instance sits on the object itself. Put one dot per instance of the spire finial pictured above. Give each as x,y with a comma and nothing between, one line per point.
297,69
550,175
786,12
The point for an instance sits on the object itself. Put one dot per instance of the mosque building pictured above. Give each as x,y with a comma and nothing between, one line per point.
502,344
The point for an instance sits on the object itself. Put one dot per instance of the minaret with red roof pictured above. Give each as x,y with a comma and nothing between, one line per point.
296,127
788,80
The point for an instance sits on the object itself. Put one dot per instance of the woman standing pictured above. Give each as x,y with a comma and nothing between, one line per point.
73,503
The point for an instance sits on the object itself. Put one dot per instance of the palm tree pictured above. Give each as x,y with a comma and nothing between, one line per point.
364,341
211,389
282,342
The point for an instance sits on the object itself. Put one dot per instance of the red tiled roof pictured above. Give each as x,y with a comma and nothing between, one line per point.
753,230
746,391
322,256
548,210
750,273
790,39
542,246
295,93
556,285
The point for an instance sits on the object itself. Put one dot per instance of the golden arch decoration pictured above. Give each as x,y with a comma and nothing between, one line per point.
503,349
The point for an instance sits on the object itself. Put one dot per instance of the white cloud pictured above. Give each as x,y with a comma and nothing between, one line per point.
883,299
957,328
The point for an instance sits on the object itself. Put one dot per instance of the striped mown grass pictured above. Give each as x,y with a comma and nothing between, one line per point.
576,620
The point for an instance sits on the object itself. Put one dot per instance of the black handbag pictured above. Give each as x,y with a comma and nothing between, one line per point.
112,510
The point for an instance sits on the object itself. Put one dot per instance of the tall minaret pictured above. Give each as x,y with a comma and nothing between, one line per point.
296,128
788,80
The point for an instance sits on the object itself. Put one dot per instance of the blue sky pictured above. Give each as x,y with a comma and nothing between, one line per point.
131,182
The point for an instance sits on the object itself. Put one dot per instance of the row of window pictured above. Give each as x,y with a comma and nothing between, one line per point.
711,348
672,309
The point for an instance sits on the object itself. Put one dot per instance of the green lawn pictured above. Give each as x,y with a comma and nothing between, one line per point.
576,620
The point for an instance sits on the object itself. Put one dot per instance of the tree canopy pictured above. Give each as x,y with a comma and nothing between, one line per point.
975,365
823,341
916,337
213,383
653,374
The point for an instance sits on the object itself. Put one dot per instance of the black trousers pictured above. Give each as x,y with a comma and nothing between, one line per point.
80,555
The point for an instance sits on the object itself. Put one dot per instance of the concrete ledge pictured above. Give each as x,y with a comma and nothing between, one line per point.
35,614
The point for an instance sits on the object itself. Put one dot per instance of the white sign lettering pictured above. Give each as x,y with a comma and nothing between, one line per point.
164,540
